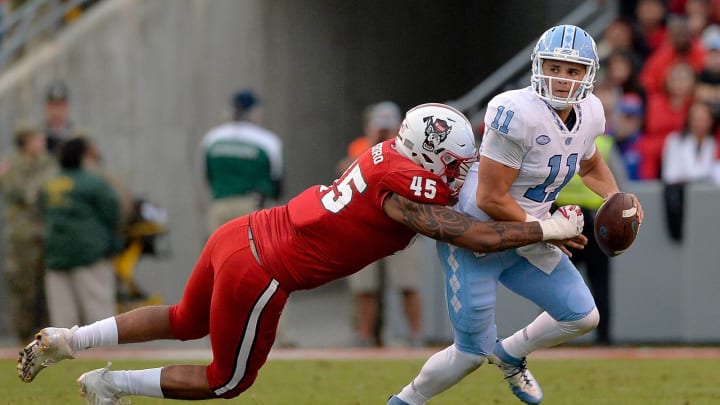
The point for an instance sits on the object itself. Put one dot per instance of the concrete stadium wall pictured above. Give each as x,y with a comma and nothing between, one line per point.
149,78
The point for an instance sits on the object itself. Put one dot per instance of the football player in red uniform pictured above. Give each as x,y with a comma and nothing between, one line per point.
250,265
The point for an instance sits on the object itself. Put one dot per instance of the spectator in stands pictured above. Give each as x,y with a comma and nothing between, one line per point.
650,23
617,35
380,123
666,112
620,36
707,88
399,272
679,7
21,177
58,125
609,96
622,69
698,15
82,228
689,155
627,131
242,162
680,47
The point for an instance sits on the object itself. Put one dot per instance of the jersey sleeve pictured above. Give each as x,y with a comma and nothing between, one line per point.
415,184
502,150
506,130
589,152
597,124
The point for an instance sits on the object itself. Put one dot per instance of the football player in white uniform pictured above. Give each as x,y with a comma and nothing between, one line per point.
535,140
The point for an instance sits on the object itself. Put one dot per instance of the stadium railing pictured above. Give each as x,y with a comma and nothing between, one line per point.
33,20
593,16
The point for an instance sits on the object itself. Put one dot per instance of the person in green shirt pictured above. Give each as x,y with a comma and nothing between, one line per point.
242,163
82,221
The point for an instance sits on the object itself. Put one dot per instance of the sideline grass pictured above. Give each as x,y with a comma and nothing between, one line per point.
317,382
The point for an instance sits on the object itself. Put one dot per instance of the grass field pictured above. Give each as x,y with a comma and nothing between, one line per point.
360,382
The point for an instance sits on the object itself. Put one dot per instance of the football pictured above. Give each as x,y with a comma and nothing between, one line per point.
616,224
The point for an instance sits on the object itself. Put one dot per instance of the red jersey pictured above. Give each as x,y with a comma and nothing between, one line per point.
329,232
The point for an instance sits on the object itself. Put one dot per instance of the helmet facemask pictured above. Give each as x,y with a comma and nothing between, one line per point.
456,170
580,89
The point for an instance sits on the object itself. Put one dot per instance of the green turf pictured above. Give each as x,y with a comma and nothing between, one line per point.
565,382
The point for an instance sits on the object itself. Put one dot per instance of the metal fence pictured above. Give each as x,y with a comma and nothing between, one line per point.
593,16
33,21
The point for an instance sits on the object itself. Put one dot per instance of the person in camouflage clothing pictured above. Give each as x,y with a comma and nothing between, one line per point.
22,175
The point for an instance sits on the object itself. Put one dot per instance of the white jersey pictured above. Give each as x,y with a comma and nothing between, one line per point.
523,132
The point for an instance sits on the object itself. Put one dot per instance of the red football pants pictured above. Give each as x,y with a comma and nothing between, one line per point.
231,297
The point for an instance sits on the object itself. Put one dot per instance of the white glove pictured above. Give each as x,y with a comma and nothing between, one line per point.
566,222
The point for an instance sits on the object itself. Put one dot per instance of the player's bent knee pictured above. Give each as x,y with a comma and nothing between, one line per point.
465,360
582,325
589,322
185,327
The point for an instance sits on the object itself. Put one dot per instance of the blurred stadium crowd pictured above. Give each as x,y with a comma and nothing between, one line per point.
660,85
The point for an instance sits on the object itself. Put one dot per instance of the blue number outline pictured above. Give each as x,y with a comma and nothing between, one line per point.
539,193
506,123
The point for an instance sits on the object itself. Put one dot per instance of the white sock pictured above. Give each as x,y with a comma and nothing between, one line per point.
100,333
440,372
138,382
545,332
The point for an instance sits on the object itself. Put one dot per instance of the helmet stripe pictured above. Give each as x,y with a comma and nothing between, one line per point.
568,37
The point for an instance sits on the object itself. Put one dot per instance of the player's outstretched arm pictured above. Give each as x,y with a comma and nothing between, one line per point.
444,224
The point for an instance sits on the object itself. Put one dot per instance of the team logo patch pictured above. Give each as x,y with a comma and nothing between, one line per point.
436,131
542,140
568,141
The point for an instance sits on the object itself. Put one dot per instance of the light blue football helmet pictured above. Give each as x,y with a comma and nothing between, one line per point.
565,43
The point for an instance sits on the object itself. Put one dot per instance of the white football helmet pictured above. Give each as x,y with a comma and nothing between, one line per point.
570,44
440,139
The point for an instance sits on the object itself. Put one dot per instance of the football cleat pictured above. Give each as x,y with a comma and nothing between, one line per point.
521,381
49,347
97,389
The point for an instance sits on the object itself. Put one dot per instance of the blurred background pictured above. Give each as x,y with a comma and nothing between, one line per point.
147,79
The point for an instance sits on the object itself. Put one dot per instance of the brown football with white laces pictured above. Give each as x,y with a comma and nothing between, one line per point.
616,224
